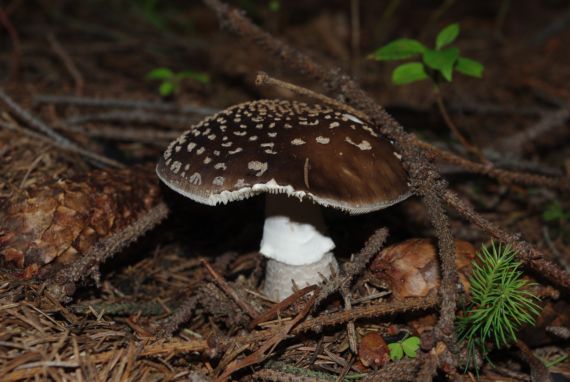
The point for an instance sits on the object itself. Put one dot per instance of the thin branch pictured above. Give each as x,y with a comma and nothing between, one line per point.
350,328
15,39
355,36
267,347
550,120
412,304
265,79
280,306
181,315
63,283
68,62
52,136
229,291
526,253
356,266
123,133
455,130
501,174
123,104
131,117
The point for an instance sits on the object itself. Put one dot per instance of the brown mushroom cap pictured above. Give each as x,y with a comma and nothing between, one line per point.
276,146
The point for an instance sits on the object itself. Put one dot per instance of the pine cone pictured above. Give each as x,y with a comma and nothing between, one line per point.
411,268
57,221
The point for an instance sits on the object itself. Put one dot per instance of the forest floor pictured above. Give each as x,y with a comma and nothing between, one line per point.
82,68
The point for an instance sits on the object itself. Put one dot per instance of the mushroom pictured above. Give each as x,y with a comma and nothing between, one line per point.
301,156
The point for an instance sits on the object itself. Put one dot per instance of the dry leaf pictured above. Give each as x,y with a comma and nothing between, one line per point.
373,351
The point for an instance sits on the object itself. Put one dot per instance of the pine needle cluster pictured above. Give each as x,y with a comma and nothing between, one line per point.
501,301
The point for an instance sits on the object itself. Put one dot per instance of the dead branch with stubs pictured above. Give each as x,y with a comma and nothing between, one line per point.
58,234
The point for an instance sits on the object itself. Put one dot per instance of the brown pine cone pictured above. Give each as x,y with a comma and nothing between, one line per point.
58,220
411,268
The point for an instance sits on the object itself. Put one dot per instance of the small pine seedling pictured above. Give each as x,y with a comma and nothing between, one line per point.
408,346
501,302
443,60
170,81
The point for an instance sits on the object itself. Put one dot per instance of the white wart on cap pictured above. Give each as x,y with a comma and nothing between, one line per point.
276,146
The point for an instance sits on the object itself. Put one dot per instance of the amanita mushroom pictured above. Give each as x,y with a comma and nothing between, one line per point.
308,154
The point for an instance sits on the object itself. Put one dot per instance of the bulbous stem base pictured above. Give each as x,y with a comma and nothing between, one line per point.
279,276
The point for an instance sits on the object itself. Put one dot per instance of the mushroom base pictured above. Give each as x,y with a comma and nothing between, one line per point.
279,277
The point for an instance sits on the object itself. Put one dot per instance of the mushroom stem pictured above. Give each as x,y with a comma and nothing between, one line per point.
295,241
279,277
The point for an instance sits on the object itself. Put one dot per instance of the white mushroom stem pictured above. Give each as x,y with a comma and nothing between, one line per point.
296,244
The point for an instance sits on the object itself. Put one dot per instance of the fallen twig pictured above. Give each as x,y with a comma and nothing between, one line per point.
470,147
123,104
526,253
355,267
52,136
135,116
514,144
15,39
63,283
173,322
538,370
123,133
277,335
524,178
270,313
229,291
67,61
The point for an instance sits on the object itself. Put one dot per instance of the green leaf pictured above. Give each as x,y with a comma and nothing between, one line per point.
469,67
274,5
411,346
160,74
447,35
166,88
442,60
201,77
553,212
410,72
396,351
398,49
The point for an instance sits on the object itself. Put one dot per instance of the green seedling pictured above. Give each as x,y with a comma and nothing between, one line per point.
171,81
274,5
501,302
555,213
436,63
408,346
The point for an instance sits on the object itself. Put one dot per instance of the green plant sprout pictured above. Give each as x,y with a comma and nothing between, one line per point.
555,213
441,61
171,81
408,346
501,302
437,65
274,5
